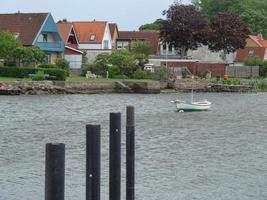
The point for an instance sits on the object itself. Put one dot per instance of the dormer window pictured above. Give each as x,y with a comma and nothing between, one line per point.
92,37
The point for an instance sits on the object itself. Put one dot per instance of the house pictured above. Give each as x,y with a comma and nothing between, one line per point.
71,53
35,29
256,47
114,32
151,37
94,38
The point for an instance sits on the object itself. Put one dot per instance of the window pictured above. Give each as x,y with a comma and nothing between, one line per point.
45,38
251,52
106,44
92,37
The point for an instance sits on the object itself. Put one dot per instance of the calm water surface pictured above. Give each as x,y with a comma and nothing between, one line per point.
216,155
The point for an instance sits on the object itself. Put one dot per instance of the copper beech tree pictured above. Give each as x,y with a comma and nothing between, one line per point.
184,27
228,33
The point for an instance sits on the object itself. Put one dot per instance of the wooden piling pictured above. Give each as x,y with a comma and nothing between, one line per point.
55,171
92,162
130,153
115,157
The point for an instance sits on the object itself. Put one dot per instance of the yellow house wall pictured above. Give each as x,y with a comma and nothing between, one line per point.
251,43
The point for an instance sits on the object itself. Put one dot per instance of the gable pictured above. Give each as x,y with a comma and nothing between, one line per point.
251,43
50,25
90,32
25,25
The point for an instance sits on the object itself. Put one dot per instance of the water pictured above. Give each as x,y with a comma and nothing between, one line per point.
216,155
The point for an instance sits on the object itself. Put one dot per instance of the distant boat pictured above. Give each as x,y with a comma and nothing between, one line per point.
190,106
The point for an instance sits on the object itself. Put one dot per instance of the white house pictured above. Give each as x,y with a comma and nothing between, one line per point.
94,38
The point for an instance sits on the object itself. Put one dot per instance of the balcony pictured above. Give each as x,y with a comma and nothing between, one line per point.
51,46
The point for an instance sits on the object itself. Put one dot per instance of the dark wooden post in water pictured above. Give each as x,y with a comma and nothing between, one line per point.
54,171
115,156
92,162
130,153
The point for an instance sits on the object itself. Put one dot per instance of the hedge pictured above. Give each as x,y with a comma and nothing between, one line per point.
23,72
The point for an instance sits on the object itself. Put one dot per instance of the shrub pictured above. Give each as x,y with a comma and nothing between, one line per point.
139,74
113,71
161,74
62,63
23,72
45,65
39,76
232,81
87,67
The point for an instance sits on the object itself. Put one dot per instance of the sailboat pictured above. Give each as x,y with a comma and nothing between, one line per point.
191,105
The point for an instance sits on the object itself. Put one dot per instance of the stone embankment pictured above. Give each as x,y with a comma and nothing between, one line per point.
61,87
147,87
208,86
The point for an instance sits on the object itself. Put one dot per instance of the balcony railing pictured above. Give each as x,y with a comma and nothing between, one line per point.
51,46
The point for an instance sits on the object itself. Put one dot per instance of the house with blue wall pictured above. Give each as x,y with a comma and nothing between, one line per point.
35,29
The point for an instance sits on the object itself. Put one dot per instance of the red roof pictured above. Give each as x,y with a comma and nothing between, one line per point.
152,37
85,30
258,39
26,25
65,29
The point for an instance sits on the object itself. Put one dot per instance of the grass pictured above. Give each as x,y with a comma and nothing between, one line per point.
10,79
77,79
84,79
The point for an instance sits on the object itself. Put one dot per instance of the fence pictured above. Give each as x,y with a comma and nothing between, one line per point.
55,161
243,71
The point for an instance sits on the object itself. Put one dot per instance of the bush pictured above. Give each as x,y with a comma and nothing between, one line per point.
161,74
23,72
39,76
139,74
232,81
88,67
113,71
63,64
45,66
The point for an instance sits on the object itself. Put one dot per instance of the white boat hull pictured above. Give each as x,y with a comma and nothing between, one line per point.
183,106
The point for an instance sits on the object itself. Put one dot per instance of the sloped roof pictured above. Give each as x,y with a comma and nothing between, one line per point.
26,25
152,37
112,28
258,40
65,29
84,31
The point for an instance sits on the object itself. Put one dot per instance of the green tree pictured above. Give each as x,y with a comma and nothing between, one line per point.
62,63
140,51
124,60
8,44
252,12
152,26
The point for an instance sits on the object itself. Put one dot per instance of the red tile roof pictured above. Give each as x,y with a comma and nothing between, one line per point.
84,31
152,37
258,40
26,25
65,29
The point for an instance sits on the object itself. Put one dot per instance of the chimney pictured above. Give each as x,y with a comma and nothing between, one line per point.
260,36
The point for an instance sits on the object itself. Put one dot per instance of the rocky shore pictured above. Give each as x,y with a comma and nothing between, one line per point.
147,87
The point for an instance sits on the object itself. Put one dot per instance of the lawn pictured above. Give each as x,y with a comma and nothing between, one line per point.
74,79
84,79
10,79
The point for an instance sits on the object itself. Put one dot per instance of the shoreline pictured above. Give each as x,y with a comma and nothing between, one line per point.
125,86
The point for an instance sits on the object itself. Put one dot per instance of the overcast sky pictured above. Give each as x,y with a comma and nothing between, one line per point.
128,14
